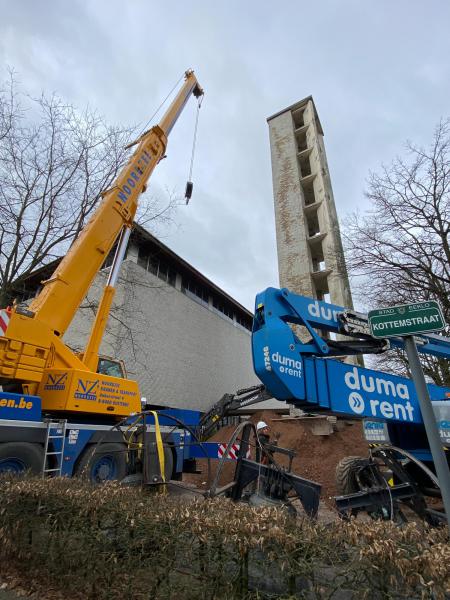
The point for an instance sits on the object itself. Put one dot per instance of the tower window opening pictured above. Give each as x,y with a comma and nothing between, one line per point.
313,226
305,166
308,193
302,143
299,118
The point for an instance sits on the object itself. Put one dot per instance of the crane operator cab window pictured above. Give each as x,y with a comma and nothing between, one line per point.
111,367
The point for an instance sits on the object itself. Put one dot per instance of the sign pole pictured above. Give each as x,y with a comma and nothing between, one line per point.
429,419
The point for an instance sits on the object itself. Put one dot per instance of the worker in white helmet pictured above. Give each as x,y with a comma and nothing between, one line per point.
263,455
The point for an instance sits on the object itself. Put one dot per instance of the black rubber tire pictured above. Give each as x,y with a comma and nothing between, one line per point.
27,457
346,470
114,459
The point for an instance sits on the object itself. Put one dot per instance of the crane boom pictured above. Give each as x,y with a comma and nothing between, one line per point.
62,294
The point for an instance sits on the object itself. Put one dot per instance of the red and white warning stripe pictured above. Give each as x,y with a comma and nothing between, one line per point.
232,453
5,316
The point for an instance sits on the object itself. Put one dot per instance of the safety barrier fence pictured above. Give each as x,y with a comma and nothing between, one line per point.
111,542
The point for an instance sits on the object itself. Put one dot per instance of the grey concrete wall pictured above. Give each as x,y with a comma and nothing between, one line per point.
182,353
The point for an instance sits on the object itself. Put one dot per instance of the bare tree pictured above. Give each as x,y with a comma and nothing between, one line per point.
400,248
54,163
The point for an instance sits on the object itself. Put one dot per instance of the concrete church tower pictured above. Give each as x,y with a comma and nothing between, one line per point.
310,256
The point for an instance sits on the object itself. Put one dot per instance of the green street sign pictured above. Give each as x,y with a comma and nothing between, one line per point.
406,319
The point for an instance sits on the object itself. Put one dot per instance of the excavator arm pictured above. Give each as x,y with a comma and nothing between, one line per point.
228,405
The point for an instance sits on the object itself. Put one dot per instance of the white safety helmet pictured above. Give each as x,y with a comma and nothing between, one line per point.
261,425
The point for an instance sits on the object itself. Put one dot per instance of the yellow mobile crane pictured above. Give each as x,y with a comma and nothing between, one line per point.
34,360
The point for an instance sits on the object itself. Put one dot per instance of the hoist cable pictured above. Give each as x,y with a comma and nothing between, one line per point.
200,100
160,106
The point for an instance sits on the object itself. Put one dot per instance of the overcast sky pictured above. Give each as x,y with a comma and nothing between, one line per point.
378,71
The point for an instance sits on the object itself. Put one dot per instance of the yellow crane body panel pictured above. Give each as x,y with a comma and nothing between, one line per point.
24,351
73,390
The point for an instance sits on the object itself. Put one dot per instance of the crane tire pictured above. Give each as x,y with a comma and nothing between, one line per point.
19,457
103,462
346,470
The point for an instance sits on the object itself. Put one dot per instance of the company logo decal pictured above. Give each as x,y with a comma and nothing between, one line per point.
356,403
444,431
134,176
385,409
373,425
317,310
87,389
267,358
287,365
11,403
56,382
73,436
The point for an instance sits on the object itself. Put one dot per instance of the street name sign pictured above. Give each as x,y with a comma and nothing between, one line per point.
406,319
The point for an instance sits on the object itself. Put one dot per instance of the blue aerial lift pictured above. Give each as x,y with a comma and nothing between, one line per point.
306,374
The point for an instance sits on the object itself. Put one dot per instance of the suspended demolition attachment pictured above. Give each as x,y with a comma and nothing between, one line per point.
188,191
265,484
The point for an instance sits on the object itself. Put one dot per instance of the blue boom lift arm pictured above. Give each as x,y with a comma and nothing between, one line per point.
303,372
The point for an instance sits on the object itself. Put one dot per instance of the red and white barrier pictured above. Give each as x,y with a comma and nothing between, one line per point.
232,453
5,316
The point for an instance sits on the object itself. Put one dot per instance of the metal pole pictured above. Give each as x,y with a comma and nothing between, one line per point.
429,419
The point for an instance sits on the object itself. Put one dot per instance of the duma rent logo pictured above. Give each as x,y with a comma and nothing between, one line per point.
86,389
372,395
56,382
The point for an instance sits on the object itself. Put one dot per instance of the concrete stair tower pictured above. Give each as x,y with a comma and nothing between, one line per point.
310,256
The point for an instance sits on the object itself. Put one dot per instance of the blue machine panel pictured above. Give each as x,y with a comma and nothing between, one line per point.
170,416
76,442
367,393
204,450
375,394
20,407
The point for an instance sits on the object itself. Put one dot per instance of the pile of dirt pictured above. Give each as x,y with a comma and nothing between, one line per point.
316,456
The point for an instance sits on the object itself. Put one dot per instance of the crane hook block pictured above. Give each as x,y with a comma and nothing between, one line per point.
188,191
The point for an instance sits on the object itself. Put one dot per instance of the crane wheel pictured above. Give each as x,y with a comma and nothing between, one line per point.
19,457
103,462
347,471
